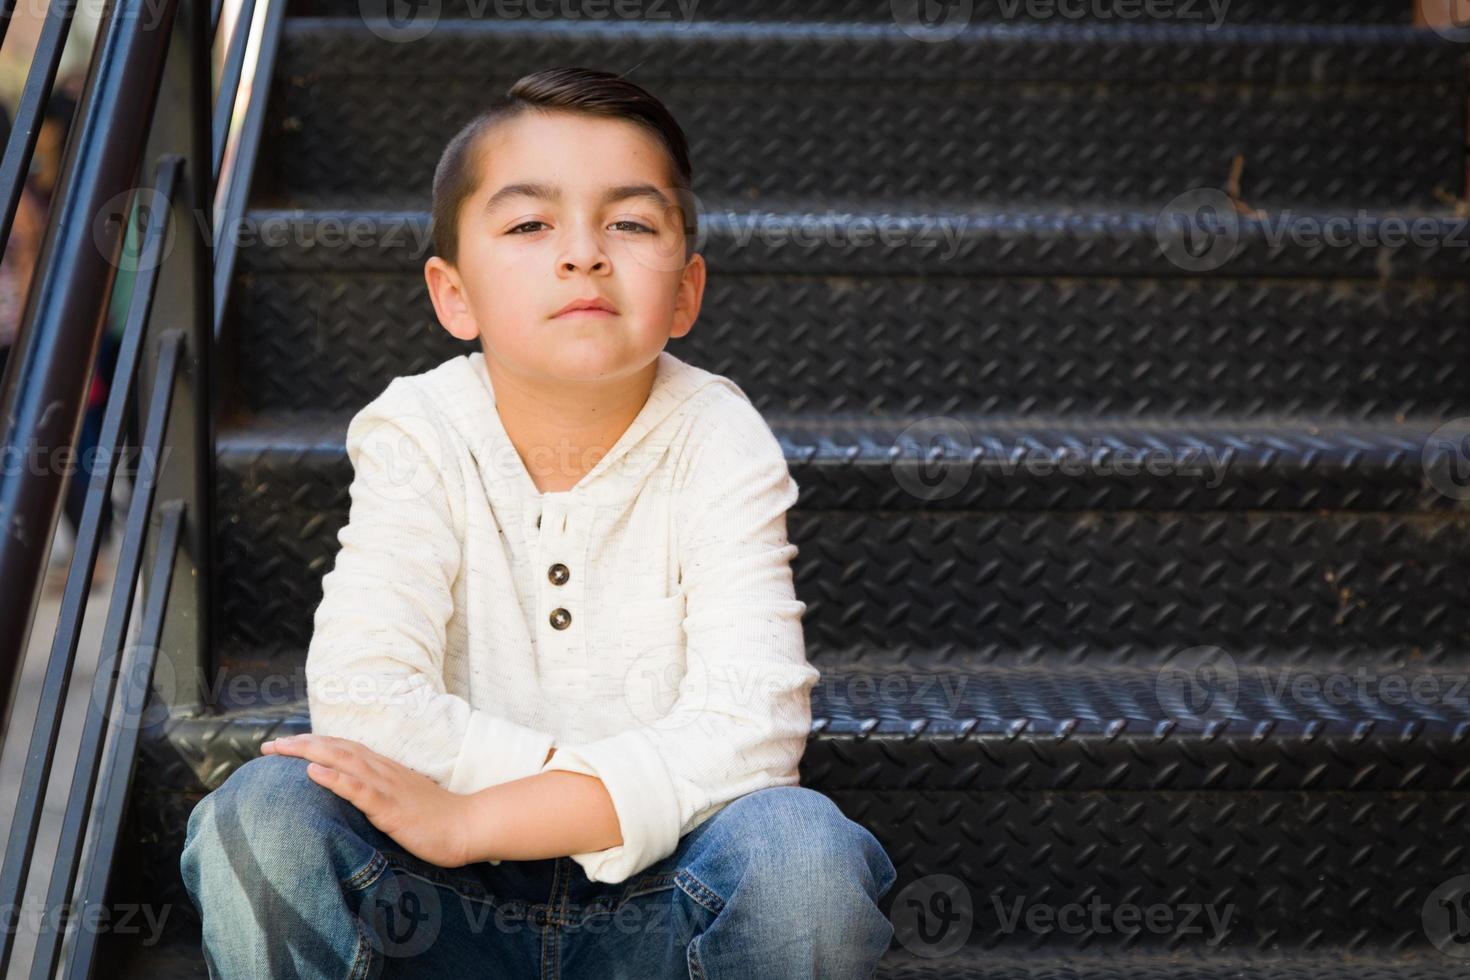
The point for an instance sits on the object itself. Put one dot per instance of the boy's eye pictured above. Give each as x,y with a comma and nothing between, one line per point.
634,225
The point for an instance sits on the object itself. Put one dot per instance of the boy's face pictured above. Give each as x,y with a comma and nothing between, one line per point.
523,256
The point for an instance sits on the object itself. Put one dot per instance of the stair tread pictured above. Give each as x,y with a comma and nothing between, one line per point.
866,11
924,724
294,431
1436,55
914,236
183,961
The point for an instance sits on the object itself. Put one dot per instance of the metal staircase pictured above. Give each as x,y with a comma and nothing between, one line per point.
1121,365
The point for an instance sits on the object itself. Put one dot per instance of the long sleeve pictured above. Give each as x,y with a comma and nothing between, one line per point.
742,714
375,665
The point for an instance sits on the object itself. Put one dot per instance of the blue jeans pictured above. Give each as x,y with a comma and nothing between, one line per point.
293,881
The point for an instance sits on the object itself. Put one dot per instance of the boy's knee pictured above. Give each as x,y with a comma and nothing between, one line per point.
266,811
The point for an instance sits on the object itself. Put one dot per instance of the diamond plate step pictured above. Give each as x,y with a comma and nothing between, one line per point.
1184,12
1010,313
1030,545
1353,116
182,961
1018,781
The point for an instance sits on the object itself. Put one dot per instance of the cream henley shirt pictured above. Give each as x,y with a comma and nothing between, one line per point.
644,623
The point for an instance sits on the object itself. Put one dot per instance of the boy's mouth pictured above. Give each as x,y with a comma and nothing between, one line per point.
591,306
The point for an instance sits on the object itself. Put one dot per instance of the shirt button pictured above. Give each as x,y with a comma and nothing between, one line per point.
558,574
538,520
560,619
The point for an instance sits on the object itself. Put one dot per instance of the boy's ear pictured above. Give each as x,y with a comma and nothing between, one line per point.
690,296
447,294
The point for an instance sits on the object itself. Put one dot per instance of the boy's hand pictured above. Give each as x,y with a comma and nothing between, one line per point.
418,813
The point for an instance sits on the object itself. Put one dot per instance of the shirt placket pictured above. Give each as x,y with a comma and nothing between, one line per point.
561,578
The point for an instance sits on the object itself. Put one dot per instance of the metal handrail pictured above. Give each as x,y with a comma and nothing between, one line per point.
169,337
47,726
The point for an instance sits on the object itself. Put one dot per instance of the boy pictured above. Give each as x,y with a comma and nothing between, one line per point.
558,675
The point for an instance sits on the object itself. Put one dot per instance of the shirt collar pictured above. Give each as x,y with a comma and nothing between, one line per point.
617,474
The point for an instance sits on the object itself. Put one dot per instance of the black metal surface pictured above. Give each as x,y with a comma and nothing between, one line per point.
117,773
76,821
1366,117
963,461
237,187
1315,840
940,343
1184,13
1015,585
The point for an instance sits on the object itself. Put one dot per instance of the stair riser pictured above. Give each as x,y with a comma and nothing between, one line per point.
1003,588
1017,346
841,117
1226,873
1185,12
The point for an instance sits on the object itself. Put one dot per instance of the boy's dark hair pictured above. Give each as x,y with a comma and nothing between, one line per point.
584,90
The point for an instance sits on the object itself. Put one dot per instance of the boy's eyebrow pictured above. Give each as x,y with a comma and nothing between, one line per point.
550,192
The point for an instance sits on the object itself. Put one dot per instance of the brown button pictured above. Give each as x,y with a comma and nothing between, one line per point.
558,574
538,520
560,619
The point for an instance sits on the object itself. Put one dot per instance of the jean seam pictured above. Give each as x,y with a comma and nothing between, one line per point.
364,876
706,896
696,968
461,887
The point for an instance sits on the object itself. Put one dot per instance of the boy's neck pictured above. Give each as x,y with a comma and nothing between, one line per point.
560,433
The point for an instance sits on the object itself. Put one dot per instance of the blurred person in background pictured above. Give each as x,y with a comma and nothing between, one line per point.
16,273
